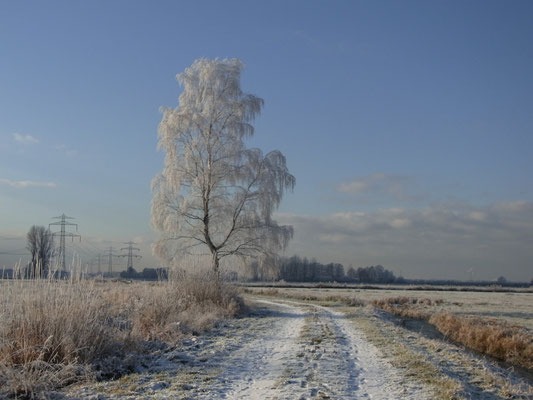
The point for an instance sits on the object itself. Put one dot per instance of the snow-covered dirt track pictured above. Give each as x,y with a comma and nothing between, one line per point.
284,350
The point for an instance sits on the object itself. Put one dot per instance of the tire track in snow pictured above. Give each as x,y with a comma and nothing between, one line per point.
328,368
254,370
376,377
350,367
312,354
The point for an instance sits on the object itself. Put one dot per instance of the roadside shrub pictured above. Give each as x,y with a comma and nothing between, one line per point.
186,303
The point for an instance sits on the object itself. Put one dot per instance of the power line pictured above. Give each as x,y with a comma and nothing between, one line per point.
90,243
8,253
62,234
81,249
99,264
97,260
11,238
110,256
130,254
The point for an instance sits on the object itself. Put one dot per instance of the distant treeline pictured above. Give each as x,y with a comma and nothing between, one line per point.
149,274
26,273
469,284
297,269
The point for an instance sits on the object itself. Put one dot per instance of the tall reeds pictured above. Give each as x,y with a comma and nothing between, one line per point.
53,331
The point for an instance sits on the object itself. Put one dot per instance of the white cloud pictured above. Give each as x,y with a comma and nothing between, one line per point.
67,151
26,184
380,184
519,205
354,187
477,216
25,139
400,223
437,241
331,238
138,240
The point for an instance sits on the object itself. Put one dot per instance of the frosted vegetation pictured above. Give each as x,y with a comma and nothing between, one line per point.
215,196
54,333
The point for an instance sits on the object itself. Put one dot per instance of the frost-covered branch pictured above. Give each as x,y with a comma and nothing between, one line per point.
213,191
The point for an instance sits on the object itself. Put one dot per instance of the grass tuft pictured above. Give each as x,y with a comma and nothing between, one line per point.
54,333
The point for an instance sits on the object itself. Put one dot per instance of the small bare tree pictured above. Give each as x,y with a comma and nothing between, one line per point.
214,195
40,243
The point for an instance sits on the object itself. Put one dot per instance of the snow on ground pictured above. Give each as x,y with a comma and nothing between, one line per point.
284,350
378,379
253,371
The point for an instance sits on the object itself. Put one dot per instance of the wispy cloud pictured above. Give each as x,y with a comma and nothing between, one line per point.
66,150
27,184
138,240
25,139
378,184
497,223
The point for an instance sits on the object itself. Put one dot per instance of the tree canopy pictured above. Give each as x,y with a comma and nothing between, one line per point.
216,196
40,243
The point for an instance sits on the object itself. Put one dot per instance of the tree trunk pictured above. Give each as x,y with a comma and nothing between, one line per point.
215,264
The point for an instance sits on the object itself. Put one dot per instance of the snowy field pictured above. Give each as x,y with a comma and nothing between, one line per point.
516,307
292,349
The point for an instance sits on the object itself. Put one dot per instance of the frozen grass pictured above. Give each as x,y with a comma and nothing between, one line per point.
49,330
347,300
53,333
187,303
513,307
408,307
497,338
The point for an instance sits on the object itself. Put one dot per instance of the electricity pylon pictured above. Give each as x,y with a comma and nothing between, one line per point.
99,259
130,254
62,234
110,256
99,264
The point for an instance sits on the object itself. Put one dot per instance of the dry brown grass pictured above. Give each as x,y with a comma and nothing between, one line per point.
56,323
49,330
53,333
407,307
496,338
185,304
347,300
493,337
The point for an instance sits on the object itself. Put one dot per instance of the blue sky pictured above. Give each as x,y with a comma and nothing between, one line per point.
408,125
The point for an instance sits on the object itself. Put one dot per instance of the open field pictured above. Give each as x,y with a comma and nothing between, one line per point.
155,341
515,307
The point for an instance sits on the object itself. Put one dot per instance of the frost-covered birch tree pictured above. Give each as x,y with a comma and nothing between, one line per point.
215,196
